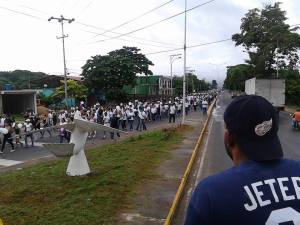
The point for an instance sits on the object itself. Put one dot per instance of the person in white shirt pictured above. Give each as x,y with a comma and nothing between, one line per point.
204,107
72,113
61,116
195,103
147,112
141,122
179,107
130,116
166,109
172,112
28,129
153,111
93,133
106,122
123,118
2,121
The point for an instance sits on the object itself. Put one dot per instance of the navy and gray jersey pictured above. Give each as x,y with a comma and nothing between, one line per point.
253,193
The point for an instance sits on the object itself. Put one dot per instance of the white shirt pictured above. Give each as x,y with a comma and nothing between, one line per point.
2,122
130,115
172,109
153,110
204,104
142,115
50,116
106,120
28,127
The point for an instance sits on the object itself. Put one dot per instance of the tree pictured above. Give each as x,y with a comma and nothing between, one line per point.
270,42
192,82
177,82
203,85
236,76
292,83
214,84
75,90
109,73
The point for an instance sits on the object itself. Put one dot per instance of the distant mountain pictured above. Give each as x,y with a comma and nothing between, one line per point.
21,79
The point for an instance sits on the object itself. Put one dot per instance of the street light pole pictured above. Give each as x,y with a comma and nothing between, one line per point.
277,60
61,20
184,66
172,59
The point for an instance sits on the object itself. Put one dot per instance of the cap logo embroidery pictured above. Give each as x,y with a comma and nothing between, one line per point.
263,128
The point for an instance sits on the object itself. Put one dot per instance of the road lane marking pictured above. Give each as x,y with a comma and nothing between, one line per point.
7,162
191,189
204,153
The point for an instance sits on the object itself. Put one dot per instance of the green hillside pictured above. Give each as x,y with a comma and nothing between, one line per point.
20,79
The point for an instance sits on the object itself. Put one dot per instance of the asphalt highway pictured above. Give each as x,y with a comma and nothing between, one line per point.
213,158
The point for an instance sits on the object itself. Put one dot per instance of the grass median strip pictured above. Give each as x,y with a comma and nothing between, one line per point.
43,194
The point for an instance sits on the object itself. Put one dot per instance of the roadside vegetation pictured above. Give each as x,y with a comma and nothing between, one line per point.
272,46
43,194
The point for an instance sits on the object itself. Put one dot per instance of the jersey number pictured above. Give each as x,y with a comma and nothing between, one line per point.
284,215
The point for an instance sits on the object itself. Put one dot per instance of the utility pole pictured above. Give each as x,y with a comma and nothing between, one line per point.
277,61
184,66
172,59
61,20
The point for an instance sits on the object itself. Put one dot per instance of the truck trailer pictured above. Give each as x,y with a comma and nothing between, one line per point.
271,89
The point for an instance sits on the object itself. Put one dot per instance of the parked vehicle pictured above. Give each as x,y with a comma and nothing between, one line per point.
271,89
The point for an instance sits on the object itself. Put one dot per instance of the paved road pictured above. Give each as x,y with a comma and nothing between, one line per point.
37,152
213,157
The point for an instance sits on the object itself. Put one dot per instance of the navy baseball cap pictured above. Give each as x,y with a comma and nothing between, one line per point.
254,123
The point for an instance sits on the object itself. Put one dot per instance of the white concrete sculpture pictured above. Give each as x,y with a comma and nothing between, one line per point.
78,164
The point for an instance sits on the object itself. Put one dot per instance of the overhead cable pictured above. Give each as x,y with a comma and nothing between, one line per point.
22,13
155,23
121,39
81,23
135,18
139,38
192,46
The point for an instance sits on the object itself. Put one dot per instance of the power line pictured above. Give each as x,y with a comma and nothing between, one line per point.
138,38
22,13
87,6
192,46
136,18
35,10
81,23
155,23
209,43
121,39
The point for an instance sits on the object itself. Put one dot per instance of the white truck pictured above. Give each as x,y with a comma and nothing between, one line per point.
271,89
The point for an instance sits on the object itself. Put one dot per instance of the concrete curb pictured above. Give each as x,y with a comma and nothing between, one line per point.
188,169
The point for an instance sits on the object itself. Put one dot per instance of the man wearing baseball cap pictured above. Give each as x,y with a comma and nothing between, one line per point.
262,187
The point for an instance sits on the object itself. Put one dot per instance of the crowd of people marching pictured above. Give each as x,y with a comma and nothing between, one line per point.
133,115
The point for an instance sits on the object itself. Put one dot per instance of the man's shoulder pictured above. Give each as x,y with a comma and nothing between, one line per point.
236,174
217,179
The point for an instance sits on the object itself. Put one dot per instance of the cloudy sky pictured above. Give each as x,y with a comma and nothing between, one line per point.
28,41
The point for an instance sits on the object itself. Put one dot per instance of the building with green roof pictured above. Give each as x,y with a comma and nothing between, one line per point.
155,85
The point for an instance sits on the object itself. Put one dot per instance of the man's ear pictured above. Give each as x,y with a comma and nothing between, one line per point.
230,138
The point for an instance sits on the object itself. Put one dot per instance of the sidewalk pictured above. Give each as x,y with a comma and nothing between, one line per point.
155,197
